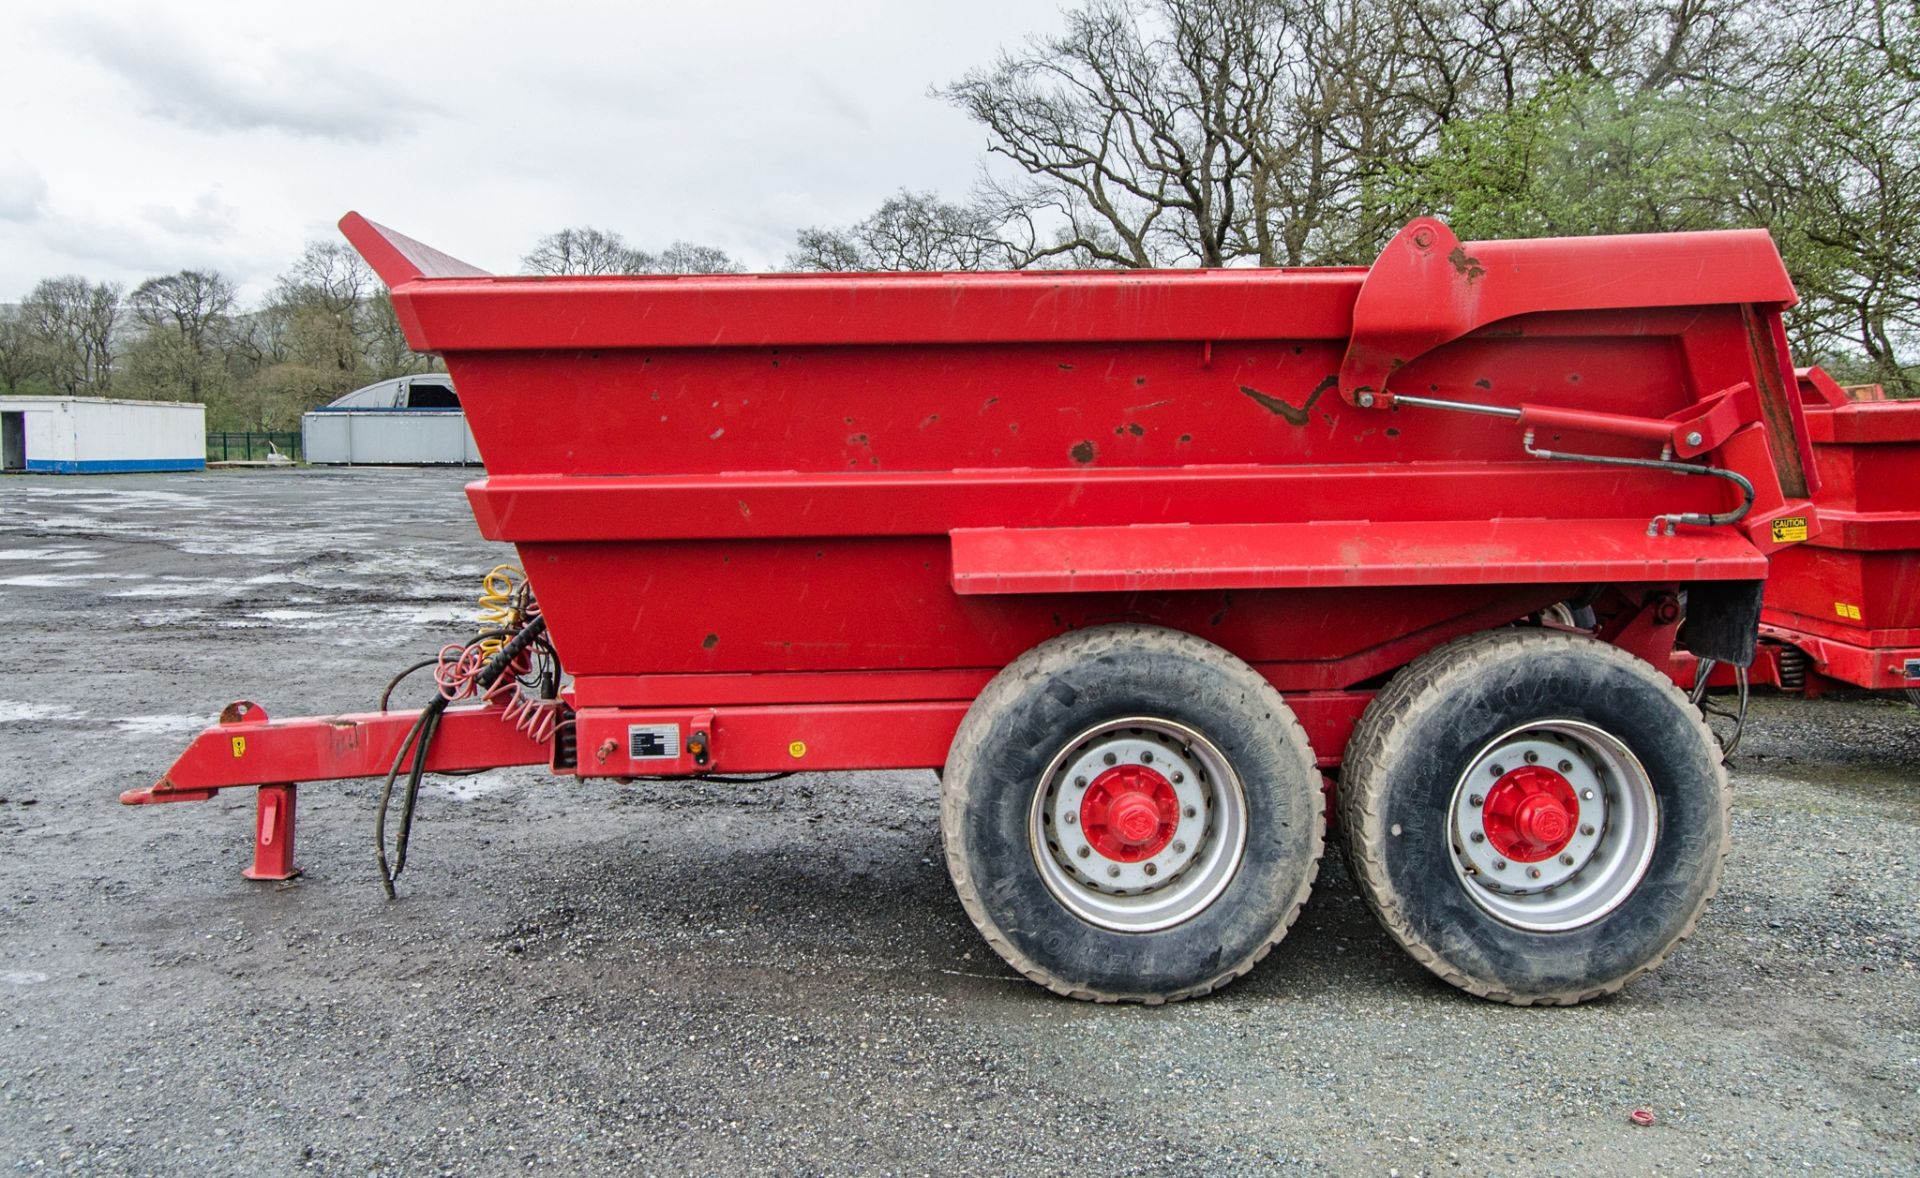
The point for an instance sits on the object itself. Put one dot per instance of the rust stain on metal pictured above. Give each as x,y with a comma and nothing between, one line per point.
1773,405
1226,603
1483,383
1466,264
1136,429
709,642
1083,452
1294,414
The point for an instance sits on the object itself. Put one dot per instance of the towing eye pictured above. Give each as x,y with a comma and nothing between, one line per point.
1660,524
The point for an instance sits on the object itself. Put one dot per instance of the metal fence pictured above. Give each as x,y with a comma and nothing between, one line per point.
252,447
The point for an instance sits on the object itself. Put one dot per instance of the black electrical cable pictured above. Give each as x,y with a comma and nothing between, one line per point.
394,682
1703,670
419,742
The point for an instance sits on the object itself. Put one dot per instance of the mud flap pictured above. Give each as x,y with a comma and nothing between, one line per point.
1723,620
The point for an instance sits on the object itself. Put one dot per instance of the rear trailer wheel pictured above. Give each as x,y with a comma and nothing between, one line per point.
1536,817
1131,814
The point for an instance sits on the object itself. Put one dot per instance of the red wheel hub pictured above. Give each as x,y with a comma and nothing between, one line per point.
1129,813
1530,814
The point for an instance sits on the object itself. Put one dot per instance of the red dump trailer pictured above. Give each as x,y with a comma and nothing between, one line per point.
1843,610
1135,560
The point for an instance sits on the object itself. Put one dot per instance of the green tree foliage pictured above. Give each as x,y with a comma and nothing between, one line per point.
1812,131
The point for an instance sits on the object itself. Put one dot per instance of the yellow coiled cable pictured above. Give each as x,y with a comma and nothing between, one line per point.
499,608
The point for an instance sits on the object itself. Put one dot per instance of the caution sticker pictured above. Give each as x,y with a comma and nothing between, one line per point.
1789,528
239,746
1847,609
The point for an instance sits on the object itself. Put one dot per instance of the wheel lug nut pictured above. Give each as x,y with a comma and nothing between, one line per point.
1110,758
1113,872
1567,859
1190,811
1477,837
1146,758
1566,766
1152,870
1586,795
1533,758
1476,800
1499,864
1069,818
1587,830
1533,872
1178,777
1085,851
1497,769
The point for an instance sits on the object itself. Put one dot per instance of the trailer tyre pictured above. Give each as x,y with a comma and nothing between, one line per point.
1131,814
1536,817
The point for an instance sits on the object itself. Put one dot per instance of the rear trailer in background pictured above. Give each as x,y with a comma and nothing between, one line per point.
1843,609
1134,560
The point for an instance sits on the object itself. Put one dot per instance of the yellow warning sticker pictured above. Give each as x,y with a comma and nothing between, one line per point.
797,749
239,746
1847,610
1789,528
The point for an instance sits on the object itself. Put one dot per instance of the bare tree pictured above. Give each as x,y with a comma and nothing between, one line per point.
70,322
586,250
17,359
684,257
909,231
185,319
1127,137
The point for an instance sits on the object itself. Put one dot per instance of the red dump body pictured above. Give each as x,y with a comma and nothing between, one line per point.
861,496
807,517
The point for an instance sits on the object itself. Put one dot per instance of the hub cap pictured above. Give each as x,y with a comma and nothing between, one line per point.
1138,824
1553,825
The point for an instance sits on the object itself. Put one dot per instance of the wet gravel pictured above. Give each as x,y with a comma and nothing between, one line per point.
670,978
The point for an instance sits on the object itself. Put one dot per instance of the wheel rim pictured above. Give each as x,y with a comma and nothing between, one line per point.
1553,825
1138,825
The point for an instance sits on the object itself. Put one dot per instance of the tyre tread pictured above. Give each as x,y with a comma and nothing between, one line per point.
969,742
1383,731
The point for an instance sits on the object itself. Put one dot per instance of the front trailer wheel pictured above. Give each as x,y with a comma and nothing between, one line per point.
1536,817
1131,814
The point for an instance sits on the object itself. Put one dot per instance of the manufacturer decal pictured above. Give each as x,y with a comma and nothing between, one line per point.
653,742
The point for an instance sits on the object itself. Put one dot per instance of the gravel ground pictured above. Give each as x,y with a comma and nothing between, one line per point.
778,979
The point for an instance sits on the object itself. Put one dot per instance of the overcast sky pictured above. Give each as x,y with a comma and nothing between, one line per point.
142,138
